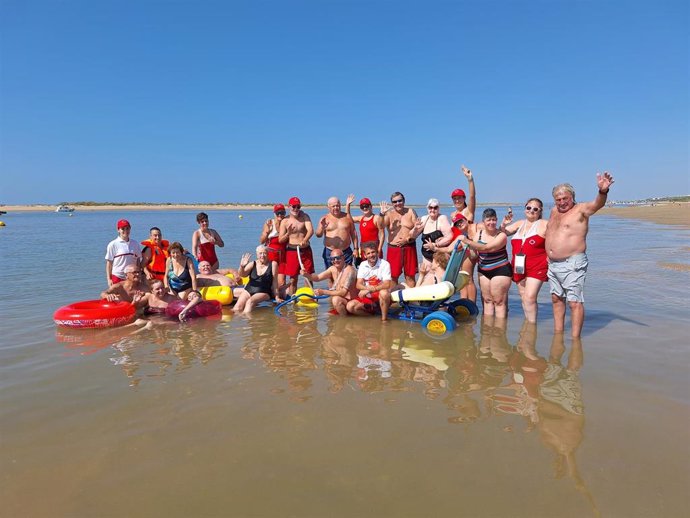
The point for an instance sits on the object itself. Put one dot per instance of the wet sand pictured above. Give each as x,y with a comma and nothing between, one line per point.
662,213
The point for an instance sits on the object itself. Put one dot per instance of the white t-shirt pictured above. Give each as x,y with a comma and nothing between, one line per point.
122,254
381,271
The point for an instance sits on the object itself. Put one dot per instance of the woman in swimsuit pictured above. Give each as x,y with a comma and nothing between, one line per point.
370,226
529,252
494,268
205,240
434,229
460,228
180,277
269,238
263,281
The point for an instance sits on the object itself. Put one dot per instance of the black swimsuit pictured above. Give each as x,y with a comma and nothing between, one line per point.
260,283
434,236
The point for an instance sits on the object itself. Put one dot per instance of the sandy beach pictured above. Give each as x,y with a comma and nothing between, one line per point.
670,213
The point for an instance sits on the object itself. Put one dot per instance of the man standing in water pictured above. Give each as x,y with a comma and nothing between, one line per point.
295,231
402,250
566,248
338,231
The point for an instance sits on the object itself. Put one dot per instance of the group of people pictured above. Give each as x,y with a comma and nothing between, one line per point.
360,280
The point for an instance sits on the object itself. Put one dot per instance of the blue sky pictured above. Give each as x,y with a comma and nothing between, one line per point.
256,101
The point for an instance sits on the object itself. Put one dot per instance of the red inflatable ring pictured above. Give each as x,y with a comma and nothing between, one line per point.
95,313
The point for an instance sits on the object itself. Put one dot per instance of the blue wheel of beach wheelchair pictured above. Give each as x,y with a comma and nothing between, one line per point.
463,308
438,324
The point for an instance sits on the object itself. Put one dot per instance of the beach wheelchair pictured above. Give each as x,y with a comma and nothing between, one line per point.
436,307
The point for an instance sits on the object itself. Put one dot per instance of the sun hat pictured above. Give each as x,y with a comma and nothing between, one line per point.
278,206
457,192
294,201
123,223
364,201
458,217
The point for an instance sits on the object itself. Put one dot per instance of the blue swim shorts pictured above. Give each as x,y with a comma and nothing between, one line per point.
567,277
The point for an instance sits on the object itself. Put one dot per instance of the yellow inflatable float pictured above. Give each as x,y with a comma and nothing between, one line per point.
222,294
306,302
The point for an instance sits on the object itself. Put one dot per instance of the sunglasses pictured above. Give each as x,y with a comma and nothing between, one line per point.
432,208
336,258
533,209
280,213
295,207
397,201
365,206
133,273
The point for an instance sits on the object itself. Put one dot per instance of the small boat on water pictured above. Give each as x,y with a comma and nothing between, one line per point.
64,208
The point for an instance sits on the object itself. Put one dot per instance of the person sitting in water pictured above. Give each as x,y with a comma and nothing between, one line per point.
263,281
433,273
156,301
128,289
179,272
342,279
374,283
205,240
193,298
207,277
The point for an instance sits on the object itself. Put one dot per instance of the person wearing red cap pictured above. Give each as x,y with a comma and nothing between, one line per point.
338,231
466,208
120,253
370,226
462,205
295,232
270,237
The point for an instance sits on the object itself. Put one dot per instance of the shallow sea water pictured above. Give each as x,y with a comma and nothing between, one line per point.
315,415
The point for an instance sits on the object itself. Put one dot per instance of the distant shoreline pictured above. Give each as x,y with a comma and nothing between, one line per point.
664,213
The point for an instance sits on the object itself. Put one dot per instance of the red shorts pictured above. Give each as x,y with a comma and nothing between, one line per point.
402,258
116,279
370,304
535,267
292,262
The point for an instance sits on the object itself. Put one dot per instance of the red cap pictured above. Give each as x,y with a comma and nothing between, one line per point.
457,192
294,201
458,217
123,223
364,201
278,206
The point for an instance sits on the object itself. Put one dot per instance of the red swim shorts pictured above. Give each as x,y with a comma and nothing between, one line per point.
402,258
292,266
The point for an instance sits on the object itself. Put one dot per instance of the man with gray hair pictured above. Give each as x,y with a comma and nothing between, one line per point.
338,232
566,248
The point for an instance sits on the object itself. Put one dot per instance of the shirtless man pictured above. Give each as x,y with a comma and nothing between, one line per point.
402,251
338,231
374,284
341,279
566,248
129,290
208,277
295,231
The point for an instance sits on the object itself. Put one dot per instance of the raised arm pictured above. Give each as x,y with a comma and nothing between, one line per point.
604,182
348,205
472,199
268,226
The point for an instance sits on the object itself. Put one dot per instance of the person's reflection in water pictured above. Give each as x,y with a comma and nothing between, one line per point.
494,351
463,378
338,353
561,412
374,366
521,394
